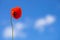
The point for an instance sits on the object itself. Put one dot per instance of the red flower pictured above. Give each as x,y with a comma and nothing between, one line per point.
16,12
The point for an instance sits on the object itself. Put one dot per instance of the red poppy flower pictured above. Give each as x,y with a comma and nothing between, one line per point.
16,12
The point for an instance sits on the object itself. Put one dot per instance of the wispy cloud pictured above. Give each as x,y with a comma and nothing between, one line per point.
50,19
7,33
19,26
42,22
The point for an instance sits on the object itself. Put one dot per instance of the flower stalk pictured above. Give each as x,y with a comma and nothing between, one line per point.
12,28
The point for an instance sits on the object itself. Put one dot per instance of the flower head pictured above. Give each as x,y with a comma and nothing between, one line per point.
16,12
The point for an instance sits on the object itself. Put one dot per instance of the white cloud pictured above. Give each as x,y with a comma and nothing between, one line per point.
39,24
50,19
19,26
42,22
7,33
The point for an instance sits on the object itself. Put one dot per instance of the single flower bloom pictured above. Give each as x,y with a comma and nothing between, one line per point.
16,12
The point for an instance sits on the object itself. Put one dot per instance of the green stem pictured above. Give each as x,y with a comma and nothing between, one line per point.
12,29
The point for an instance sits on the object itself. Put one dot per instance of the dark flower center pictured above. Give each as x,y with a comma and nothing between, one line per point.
14,14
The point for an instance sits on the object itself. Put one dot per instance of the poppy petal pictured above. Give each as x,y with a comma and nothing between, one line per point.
16,12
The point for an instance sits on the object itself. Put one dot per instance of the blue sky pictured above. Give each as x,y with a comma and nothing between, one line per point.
31,11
